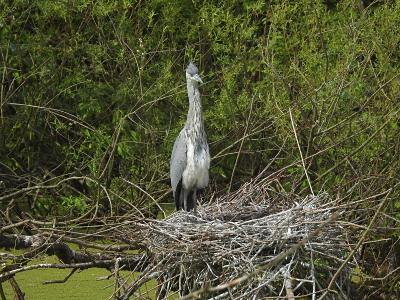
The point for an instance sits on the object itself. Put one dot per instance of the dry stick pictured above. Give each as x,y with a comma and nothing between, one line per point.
60,113
241,145
107,169
301,154
116,279
313,279
18,294
54,266
328,289
36,187
261,174
378,278
62,280
276,260
40,187
221,153
2,295
287,282
276,173
140,280
348,118
389,118
360,147
147,194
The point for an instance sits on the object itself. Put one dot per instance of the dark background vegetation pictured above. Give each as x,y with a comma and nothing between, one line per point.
303,93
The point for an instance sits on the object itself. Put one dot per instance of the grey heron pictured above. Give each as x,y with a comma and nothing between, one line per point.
190,159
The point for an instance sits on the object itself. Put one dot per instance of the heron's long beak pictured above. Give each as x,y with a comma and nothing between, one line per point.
197,78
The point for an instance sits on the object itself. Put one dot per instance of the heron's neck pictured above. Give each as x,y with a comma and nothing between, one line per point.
194,120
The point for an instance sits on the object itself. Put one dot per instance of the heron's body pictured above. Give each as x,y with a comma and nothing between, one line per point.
190,159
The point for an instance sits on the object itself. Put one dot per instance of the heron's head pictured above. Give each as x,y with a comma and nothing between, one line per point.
192,73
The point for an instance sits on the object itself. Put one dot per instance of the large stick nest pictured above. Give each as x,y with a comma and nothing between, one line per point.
237,234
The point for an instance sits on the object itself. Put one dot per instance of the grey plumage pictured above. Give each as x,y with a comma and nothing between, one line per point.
190,159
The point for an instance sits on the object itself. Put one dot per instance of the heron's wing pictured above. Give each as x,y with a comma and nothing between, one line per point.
178,159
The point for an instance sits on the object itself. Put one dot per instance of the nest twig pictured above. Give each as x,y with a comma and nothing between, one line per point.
235,235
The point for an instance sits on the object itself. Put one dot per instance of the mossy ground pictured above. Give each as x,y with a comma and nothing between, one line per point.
81,285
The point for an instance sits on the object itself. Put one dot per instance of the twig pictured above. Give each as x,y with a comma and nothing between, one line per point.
19,295
241,145
301,153
360,241
63,280
38,187
2,295
273,262
388,120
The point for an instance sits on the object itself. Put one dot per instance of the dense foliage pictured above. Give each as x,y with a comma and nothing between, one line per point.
305,93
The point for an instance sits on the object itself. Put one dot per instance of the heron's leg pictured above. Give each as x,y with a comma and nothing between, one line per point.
182,198
178,197
191,200
185,199
194,199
